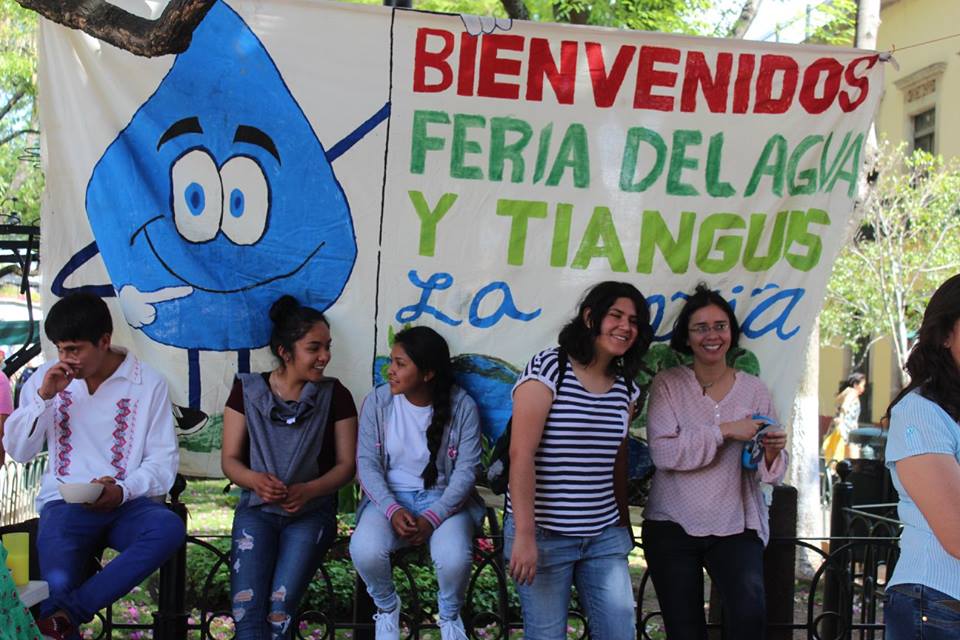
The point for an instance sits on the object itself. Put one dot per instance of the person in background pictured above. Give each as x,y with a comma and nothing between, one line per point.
289,440
705,509
836,443
102,414
419,453
923,455
567,515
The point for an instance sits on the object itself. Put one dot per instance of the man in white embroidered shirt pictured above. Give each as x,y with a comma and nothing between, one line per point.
106,418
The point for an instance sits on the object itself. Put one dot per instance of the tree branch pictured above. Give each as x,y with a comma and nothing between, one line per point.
747,13
12,102
170,33
16,134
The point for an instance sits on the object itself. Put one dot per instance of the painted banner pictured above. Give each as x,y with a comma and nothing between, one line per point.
395,167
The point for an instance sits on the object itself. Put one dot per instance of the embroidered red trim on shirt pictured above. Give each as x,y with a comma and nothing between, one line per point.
119,437
63,433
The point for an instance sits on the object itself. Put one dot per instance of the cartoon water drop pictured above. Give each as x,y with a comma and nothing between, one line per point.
214,200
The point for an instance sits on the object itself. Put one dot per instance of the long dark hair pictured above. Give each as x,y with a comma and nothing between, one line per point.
702,297
931,366
577,337
429,352
291,321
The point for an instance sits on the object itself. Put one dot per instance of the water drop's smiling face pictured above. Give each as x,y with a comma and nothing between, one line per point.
220,184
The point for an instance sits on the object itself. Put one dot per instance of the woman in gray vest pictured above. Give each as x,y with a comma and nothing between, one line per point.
418,454
289,441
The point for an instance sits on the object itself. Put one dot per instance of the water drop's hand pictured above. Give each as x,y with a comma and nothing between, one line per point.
476,25
138,305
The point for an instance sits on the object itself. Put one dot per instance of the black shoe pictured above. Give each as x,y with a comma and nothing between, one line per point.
188,421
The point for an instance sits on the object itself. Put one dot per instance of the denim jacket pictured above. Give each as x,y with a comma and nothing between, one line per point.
458,460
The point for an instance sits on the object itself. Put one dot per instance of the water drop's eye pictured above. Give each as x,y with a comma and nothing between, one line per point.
196,196
246,197
196,201
236,203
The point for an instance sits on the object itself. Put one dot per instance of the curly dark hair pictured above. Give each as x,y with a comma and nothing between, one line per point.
702,297
931,366
429,352
577,337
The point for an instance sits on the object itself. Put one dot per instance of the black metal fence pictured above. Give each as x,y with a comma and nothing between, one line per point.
841,600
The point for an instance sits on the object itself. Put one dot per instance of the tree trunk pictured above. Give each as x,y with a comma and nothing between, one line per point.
516,9
170,33
868,23
803,472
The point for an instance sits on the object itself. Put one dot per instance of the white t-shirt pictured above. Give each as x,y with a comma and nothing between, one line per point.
406,441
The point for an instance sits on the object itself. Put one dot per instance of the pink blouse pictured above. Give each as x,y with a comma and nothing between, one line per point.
700,483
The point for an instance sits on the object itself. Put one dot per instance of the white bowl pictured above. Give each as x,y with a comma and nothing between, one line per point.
80,492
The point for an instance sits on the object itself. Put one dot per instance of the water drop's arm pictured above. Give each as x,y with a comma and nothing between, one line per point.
358,134
79,259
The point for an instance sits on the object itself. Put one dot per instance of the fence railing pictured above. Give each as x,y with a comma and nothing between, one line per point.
19,485
842,600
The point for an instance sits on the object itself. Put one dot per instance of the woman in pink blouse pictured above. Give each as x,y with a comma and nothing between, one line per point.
705,510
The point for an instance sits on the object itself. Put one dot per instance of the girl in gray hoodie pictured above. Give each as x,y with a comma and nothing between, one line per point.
417,460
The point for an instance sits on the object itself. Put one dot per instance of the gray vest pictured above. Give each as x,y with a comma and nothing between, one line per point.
285,437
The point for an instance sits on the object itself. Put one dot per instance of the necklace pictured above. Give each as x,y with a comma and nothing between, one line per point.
706,385
275,385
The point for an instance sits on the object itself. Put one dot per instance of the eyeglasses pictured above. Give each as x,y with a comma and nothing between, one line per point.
703,328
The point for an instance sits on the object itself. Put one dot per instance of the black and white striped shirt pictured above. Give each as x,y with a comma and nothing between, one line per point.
574,462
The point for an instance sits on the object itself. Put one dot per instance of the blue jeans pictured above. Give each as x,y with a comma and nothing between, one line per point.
598,566
916,612
145,533
273,558
451,548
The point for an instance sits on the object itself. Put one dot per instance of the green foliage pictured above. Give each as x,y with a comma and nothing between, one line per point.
907,243
215,595
838,21
21,181
18,55
342,577
475,7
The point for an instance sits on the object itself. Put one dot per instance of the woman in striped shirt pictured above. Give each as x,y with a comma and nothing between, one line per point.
567,518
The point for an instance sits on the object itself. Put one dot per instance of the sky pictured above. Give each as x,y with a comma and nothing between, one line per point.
785,12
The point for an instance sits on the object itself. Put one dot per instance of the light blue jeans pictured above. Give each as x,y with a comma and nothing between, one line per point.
598,566
451,548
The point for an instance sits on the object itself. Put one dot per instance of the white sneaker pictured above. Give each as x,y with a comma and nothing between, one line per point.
452,629
388,624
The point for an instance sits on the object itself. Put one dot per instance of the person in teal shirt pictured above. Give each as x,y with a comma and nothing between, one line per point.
923,455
